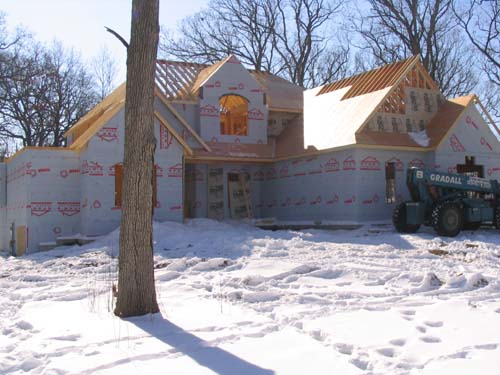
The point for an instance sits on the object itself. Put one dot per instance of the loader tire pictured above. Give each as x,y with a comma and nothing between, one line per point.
399,220
496,220
447,219
471,226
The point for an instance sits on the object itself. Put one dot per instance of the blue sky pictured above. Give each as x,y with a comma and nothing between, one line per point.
80,23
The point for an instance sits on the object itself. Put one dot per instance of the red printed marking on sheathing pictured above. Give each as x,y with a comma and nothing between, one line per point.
316,200
471,123
492,170
350,200
286,203
41,170
300,202
485,143
272,204
68,208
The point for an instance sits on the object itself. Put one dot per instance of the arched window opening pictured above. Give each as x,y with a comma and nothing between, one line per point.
233,111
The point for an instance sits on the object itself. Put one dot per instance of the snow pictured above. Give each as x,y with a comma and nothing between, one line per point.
235,299
420,138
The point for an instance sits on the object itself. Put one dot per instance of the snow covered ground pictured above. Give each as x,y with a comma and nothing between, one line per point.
238,300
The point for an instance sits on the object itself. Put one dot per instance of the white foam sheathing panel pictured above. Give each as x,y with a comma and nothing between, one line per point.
18,173
233,78
54,196
186,111
343,187
99,213
42,194
190,113
4,245
471,136
330,121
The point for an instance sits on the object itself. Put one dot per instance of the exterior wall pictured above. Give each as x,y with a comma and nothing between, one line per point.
190,113
198,175
164,137
4,230
54,195
42,194
317,188
371,180
99,214
196,181
233,78
345,186
16,207
169,180
470,137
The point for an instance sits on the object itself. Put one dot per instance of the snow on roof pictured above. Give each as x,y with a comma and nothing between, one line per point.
447,116
420,137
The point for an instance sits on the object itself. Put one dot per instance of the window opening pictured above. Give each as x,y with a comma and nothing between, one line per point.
390,182
233,111
119,185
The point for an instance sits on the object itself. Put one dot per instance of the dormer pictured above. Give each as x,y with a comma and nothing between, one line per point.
232,104
233,109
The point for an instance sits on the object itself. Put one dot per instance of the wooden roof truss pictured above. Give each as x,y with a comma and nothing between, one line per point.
417,77
373,80
395,102
176,79
386,76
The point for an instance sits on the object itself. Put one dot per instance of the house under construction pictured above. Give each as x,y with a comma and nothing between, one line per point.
234,143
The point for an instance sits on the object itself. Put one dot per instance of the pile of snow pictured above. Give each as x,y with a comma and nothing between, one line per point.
420,138
238,300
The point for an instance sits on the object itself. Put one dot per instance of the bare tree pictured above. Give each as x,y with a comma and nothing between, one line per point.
397,29
70,93
239,27
136,293
10,43
299,38
105,69
291,38
480,20
43,93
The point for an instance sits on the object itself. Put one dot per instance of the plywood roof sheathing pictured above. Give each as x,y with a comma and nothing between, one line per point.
98,124
109,101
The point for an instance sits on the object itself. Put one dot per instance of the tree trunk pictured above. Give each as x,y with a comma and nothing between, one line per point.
136,286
